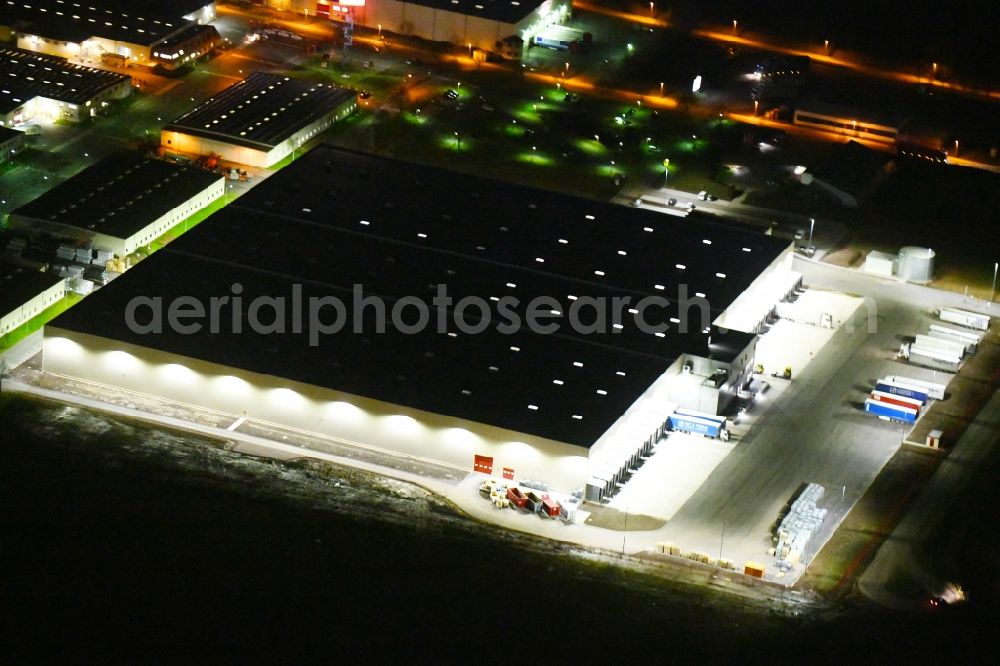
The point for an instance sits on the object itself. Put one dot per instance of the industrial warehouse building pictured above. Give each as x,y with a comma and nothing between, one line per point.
25,293
11,143
539,403
96,28
120,203
478,22
260,120
37,87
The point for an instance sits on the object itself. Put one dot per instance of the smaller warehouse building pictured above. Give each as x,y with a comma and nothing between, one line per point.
25,293
99,28
121,203
481,23
11,143
38,87
260,120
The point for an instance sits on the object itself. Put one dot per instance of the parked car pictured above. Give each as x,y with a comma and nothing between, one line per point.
671,202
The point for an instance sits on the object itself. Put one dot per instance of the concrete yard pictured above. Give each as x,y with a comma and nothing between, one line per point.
680,464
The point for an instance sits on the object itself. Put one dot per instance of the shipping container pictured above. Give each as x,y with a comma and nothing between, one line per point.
932,389
980,322
517,498
890,412
754,569
550,507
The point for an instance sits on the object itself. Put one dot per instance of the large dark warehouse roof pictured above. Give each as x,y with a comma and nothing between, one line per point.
261,111
336,218
120,195
66,20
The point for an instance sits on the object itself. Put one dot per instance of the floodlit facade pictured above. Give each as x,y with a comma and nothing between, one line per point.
121,203
25,294
99,28
42,88
259,121
538,405
481,23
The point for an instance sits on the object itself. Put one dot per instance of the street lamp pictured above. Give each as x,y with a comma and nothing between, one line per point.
734,26
956,147
666,170
826,45
812,224
651,6
380,30
661,88
993,290
470,49
755,104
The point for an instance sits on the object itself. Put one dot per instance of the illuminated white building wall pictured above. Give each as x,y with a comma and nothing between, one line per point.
53,47
175,141
406,18
11,320
341,416
125,246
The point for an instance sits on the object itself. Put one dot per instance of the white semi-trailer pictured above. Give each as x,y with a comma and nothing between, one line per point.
970,339
975,320
950,346
932,389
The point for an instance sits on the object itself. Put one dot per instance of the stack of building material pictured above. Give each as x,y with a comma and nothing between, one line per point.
800,524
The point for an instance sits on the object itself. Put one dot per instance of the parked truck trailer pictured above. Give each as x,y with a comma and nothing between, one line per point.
906,390
890,412
930,389
975,320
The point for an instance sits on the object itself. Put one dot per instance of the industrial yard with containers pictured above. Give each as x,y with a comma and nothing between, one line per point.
662,377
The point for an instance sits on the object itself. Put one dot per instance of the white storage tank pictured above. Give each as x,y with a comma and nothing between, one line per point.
916,264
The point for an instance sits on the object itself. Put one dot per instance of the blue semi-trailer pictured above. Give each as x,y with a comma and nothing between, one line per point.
903,390
886,410
695,424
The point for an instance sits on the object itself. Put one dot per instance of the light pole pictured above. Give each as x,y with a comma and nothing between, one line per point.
756,103
993,289
826,45
651,6
470,49
722,539
380,31
956,147
812,224
666,170
734,26
661,88
458,141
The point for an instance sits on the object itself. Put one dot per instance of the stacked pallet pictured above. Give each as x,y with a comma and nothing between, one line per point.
802,522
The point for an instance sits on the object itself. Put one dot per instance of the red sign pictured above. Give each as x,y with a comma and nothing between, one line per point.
483,464
508,473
